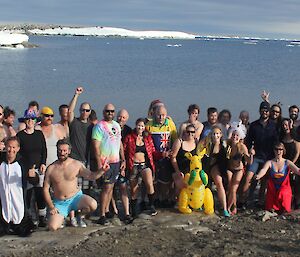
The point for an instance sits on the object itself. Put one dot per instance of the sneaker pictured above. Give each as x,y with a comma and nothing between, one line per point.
128,219
226,214
73,222
42,222
103,221
152,211
81,222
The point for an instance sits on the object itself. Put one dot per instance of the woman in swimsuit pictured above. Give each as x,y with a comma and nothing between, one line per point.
292,153
140,153
180,163
216,166
236,151
279,192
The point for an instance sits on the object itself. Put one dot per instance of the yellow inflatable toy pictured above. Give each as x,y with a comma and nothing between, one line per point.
195,195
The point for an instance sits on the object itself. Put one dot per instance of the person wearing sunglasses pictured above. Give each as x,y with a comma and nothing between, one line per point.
33,153
180,163
107,145
52,133
261,135
279,192
78,129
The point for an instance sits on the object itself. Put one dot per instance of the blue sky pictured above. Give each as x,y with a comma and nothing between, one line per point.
263,18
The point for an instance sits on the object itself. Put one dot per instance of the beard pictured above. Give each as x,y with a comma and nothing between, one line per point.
63,158
293,116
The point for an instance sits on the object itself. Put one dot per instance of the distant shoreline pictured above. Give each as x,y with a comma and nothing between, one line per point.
27,28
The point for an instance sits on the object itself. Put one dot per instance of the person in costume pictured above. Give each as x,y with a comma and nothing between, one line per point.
279,192
237,153
13,182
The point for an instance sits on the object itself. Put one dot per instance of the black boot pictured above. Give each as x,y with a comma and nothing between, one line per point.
133,207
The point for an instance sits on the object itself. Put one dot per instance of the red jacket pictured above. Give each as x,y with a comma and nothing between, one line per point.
130,146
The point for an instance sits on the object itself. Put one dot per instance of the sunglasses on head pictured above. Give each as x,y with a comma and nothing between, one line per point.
85,110
109,111
48,115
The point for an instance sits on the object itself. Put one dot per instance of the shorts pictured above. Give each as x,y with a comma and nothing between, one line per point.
64,207
164,171
111,176
136,173
256,164
122,179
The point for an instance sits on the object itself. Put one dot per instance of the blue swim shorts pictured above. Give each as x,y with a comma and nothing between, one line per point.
64,207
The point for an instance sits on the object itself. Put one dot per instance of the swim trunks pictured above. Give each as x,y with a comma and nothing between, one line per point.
64,207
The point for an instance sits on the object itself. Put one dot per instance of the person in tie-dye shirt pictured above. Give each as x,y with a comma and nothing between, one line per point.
108,147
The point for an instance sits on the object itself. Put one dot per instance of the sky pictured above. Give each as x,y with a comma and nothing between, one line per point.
260,18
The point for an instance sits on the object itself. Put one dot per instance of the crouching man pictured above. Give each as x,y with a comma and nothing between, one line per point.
13,181
62,177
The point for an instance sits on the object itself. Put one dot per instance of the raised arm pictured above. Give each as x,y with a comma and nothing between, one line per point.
264,170
73,103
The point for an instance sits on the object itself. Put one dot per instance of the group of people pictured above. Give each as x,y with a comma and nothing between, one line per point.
47,170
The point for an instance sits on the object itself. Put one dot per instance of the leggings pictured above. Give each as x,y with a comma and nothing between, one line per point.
39,197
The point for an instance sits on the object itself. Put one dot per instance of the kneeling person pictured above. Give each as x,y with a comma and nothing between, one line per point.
13,181
62,177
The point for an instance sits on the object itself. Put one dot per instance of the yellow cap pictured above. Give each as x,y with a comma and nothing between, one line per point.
47,110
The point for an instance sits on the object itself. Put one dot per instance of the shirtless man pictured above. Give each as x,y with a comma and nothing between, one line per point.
64,117
62,177
193,112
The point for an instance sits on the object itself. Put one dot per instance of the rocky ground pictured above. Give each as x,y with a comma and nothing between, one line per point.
251,233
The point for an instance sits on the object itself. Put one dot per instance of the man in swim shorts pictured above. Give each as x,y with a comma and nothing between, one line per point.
62,177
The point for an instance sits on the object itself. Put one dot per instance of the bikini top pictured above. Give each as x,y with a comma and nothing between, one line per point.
140,149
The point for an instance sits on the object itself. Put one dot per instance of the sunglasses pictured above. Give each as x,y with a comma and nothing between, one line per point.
278,149
264,110
85,110
190,132
48,115
109,111
29,118
274,111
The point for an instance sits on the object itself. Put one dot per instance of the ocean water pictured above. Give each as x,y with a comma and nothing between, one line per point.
130,73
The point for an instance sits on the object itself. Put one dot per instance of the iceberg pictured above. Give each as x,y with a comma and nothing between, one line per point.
112,32
12,39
